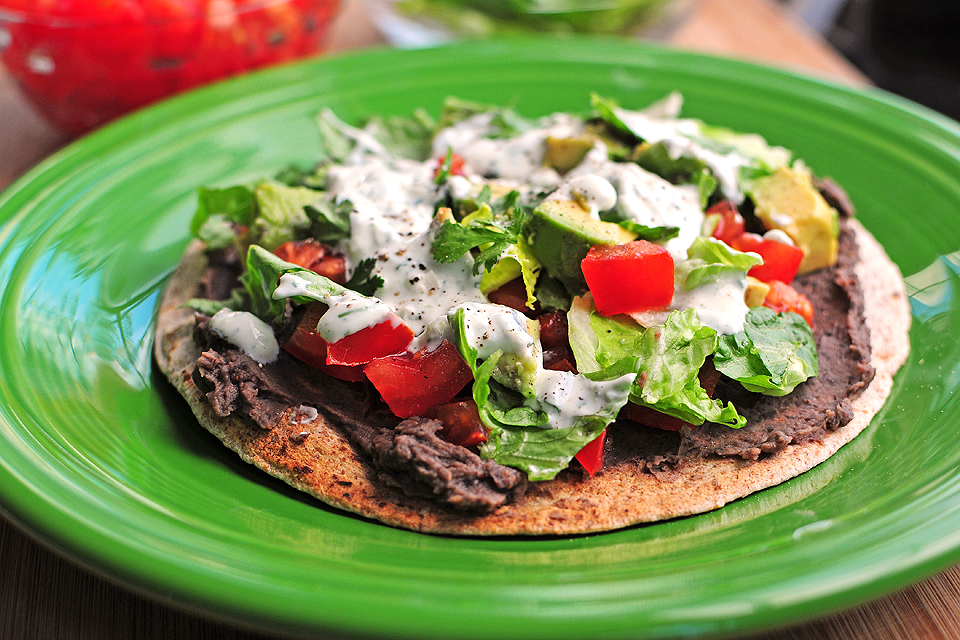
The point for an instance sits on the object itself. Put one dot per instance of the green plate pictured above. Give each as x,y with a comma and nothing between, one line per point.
102,460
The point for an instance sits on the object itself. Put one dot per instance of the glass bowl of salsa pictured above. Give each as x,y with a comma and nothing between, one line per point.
83,63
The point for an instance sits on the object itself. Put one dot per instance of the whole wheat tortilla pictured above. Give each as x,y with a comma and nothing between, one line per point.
326,465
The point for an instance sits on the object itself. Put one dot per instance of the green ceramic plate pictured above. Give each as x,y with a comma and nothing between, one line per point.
99,457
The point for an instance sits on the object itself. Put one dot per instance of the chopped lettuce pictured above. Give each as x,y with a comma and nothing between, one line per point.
669,359
772,355
404,136
219,211
709,259
529,432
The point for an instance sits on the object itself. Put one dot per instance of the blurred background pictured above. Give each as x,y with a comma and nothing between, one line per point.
909,48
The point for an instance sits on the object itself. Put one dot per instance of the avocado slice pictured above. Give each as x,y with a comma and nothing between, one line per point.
787,200
563,154
561,232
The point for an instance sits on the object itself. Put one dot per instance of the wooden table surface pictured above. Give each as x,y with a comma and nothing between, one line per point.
44,596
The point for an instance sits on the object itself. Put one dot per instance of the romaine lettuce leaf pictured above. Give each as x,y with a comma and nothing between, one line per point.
218,210
709,259
671,357
668,357
772,355
527,431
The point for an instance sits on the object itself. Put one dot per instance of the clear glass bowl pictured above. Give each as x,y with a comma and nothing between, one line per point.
415,23
83,63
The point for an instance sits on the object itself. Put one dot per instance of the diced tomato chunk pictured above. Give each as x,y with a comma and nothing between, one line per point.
782,297
333,266
780,260
392,336
315,256
456,165
461,422
307,346
412,383
591,456
635,276
730,224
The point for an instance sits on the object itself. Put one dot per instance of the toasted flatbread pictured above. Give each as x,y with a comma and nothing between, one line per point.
313,455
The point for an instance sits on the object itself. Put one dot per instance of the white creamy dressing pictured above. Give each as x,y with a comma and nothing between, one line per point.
648,199
348,312
680,136
593,192
566,397
248,332
720,304
489,328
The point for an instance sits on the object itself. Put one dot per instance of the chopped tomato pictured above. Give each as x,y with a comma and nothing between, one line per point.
412,383
591,456
456,165
307,346
780,260
390,337
315,256
650,417
730,223
782,297
302,253
461,422
623,278
332,266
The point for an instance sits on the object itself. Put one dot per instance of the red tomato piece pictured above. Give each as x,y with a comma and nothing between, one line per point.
591,456
315,256
302,253
780,260
307,346
390,337
782,297
412,383
623,278
730,223
332,266
456,165
461,422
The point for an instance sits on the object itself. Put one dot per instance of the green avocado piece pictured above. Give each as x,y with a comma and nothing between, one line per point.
561,232
787,200
563,154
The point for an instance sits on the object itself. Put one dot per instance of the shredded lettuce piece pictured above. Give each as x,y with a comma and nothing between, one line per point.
709,259
772,355
219,211
527,431
669,358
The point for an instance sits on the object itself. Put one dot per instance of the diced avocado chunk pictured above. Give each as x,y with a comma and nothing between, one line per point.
787,200
563,154
561,232
756,292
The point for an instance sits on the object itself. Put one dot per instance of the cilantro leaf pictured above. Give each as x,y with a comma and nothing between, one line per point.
363,281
